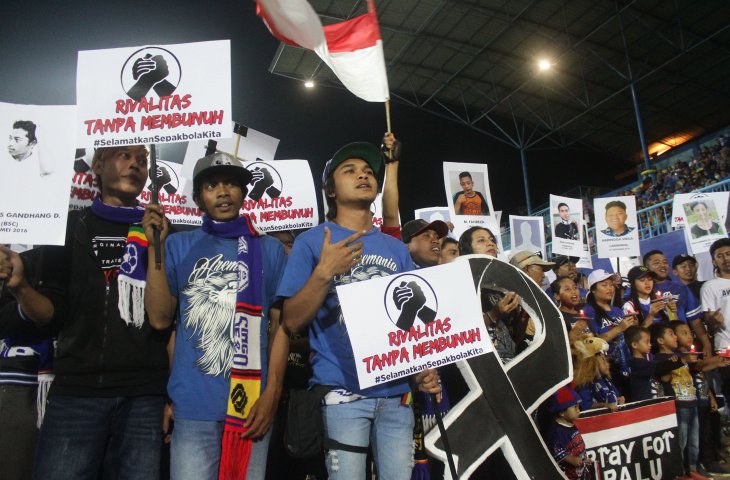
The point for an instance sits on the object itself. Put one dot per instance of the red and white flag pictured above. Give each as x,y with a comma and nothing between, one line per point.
353,49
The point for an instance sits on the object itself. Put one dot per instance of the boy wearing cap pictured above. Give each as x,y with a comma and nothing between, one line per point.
423,241
221,280
343,250
684,267
688,308
563,439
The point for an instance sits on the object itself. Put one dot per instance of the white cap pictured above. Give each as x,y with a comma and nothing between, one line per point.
597,276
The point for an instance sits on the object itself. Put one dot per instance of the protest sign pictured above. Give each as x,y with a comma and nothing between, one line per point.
616,232
679,216
252,145
467,190
566,220
281,195
413,321
585,260
153,94
703,218
526,233
639,442
34,197
432,214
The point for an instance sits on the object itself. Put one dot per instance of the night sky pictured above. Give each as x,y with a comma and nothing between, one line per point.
40,41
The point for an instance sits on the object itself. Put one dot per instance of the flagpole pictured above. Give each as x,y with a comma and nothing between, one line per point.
387,114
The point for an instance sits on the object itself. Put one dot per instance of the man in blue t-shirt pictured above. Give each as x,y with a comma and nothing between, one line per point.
221,280
343,250
689,310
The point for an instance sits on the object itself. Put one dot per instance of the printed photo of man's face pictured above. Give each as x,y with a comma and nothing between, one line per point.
564,212
22,140
467,184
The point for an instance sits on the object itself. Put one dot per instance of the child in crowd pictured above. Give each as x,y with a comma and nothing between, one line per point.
679,384
609,323
592,375
641,302
564,439
706,401
642,383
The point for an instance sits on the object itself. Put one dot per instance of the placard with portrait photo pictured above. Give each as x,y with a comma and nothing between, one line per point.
527,233
467,190
39,153
616,231
566,218
703,223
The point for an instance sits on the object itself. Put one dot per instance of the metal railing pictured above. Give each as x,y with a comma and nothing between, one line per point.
652,221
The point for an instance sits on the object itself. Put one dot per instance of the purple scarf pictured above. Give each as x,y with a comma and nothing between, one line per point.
132,277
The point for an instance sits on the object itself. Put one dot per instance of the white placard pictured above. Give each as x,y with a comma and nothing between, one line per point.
154,94
467,190
616,231
704,221
281,195
38,155
412,321
252,145
585,260
679,216
432,214
566,220
527,233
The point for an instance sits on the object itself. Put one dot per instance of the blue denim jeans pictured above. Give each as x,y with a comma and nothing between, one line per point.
195,452
80,434
689,433
384,424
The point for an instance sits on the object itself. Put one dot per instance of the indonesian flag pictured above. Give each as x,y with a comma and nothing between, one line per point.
353,49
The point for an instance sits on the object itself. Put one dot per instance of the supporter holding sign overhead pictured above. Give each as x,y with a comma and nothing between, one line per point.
566,221
616,230
153,94
468,195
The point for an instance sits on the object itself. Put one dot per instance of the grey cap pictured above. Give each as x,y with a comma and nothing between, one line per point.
223,163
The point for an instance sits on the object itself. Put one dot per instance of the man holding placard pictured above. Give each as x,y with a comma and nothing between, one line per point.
105,405
217,285
344,250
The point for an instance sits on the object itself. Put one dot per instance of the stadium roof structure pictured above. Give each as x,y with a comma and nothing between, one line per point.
475,62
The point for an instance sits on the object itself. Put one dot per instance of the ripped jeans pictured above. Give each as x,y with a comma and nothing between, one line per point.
382,423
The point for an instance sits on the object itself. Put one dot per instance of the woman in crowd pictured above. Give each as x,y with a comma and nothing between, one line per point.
609,323
643,302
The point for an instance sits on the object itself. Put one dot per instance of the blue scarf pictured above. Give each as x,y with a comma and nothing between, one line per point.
246,337
132,277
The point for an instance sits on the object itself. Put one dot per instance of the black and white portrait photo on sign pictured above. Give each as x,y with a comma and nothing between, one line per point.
616,232
527,233
467,189
566,218
39,146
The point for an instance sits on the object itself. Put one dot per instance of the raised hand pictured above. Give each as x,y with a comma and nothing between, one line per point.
337,258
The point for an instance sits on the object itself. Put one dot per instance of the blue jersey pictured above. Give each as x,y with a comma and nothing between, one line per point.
333,361
203,272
